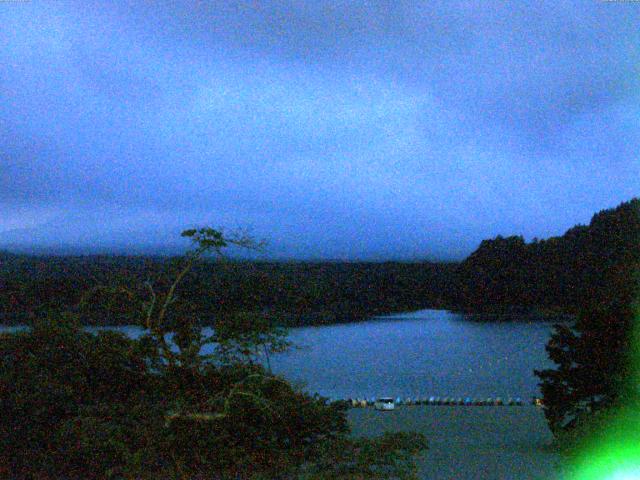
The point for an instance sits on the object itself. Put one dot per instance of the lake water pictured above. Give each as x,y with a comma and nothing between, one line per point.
423,353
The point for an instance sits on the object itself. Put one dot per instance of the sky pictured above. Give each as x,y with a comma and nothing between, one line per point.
342,130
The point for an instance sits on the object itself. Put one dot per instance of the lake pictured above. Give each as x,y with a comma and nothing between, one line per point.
422,353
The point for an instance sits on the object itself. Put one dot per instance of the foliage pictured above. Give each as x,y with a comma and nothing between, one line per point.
262,427
595,357
559,273
80,405
294,293
48,378
248,336
592,365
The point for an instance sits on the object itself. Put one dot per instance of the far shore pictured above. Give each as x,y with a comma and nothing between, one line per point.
328,317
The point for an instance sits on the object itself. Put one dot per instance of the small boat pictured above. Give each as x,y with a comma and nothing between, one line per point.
384,403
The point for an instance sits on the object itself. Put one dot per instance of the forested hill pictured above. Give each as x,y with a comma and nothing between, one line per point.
558,273
503,274
298,293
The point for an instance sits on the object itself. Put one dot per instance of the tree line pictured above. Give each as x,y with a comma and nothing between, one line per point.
561,273
296,293
503,274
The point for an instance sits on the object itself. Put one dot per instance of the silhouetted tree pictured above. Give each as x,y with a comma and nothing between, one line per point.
594,367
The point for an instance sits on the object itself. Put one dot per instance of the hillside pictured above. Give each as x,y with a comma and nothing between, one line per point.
554,274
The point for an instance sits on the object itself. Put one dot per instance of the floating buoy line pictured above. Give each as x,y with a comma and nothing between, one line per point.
360,402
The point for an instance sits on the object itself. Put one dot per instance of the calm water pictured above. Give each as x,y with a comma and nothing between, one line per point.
428,352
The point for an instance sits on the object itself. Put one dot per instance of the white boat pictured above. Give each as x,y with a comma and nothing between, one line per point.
385,403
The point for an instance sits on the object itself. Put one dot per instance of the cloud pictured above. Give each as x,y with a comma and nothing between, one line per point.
337,129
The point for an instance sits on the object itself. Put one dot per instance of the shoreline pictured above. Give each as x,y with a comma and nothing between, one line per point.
330,317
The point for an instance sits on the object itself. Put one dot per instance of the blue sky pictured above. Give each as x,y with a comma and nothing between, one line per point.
337,130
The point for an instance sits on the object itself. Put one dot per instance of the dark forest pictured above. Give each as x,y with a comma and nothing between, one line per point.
503,275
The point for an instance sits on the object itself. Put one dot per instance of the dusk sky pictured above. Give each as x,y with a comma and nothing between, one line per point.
333,129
